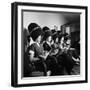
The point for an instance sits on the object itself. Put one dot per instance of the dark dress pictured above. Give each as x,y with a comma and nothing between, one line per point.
27,64
38,65
66,62
51,61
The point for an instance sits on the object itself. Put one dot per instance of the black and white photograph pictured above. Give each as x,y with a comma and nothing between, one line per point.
50,44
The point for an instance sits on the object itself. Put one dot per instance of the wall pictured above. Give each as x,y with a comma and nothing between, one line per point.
44,19
5,46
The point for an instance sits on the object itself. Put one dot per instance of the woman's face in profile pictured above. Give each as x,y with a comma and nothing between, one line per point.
49,38
68,41
39,39
57,40
62,40
31,41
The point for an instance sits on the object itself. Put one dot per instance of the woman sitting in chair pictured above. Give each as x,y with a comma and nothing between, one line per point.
51,61
36,51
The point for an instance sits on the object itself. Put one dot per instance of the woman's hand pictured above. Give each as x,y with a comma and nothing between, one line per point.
32,58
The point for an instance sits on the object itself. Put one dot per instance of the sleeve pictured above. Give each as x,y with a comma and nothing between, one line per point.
46,47
75,54
30,48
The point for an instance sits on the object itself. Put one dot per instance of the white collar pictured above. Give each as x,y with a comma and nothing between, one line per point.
48,43
37,44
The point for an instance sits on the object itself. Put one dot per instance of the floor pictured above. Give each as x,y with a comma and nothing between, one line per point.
75,71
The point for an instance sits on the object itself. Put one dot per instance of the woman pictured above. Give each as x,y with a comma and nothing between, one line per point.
65,57
51,61
55,45
37,56
27,62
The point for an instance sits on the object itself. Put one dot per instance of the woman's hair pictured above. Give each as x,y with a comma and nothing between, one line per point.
55,36
31,27
60,37
53,31
37,32
66,38
45,29
47,34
